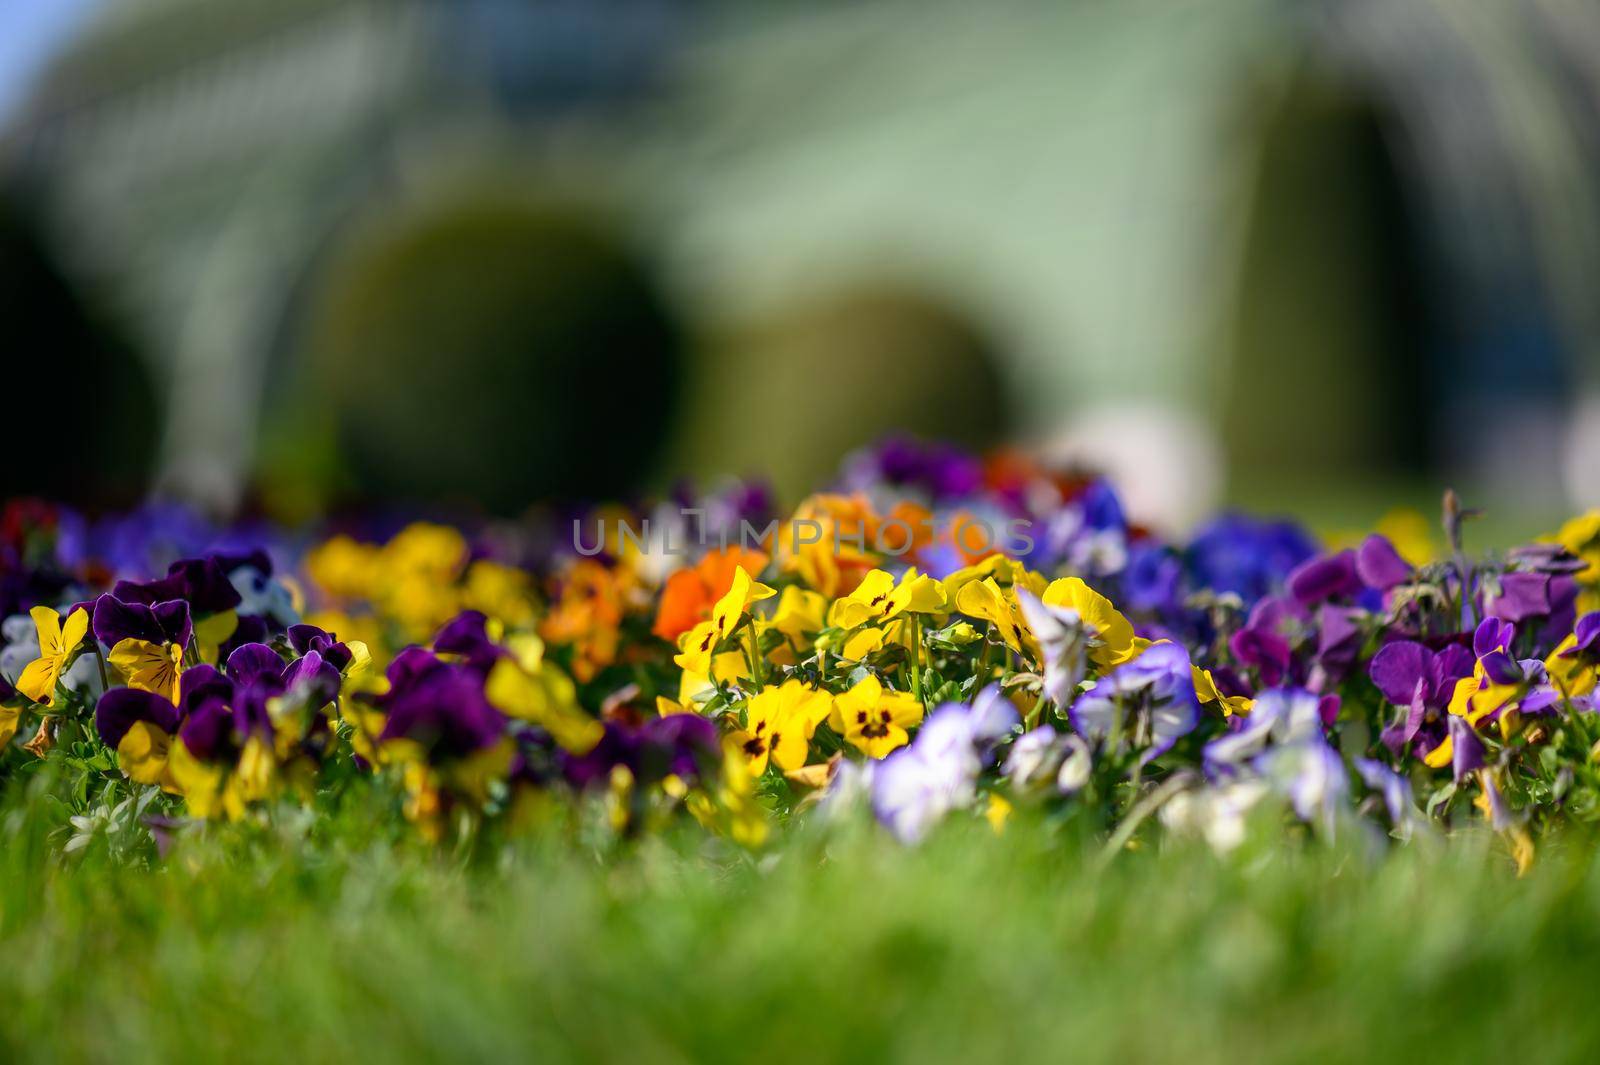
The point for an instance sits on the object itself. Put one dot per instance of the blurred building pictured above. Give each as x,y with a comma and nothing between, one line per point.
1253,239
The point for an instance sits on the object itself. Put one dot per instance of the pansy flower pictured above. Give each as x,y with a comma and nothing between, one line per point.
164,622
1064,639
10,712
1282,716
800,615
1326,577
150,667
58,643
986,600
1230,698
699,644
1113,640
1148,702
139,725
522,685
873,719
826,542
1422,682
916,786
1380,566
879,598
1499,683
689,594
1575,663
200,582
779,723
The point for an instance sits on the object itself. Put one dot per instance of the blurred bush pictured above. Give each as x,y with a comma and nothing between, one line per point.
483,348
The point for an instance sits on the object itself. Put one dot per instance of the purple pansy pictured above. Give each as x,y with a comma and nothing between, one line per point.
440,706
1150,701
917,785
113,621
1326,577
120,708
1379,565
682,745
201,582
467,635
1421,681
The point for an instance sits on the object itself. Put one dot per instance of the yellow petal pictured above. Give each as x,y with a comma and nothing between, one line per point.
1114,630
810,776
918,594
210,632
199,783
997,812
142,754
150,667
48,625
73,632
38,680
862,644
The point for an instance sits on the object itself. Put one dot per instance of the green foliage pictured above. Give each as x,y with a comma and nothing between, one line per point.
321,938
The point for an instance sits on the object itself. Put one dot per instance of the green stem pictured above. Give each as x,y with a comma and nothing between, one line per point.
916,657
1032,720
1136,815
100,660
757,666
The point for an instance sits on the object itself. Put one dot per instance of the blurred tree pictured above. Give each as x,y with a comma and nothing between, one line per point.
490,349
1331,339
72,382
787,396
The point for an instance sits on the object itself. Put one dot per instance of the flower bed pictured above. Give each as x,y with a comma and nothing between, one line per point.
936,637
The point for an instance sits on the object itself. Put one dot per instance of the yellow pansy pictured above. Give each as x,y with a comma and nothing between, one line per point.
366,725
500,592
732,807
425,548
699,643
1116,642
57,643
879,597
1205,686
10,719
344,568
1005,571
142,754
1474,698
800,614
151,667
875,720
730,609
997,812
200,782
1411,534
986,600
210,633
779,725
1572,677
546,697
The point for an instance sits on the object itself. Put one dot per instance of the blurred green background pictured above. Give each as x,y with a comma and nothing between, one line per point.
1322,256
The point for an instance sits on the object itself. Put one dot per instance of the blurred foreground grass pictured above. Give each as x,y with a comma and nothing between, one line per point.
334,942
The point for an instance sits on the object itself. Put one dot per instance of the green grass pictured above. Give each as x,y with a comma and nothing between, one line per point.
288,943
